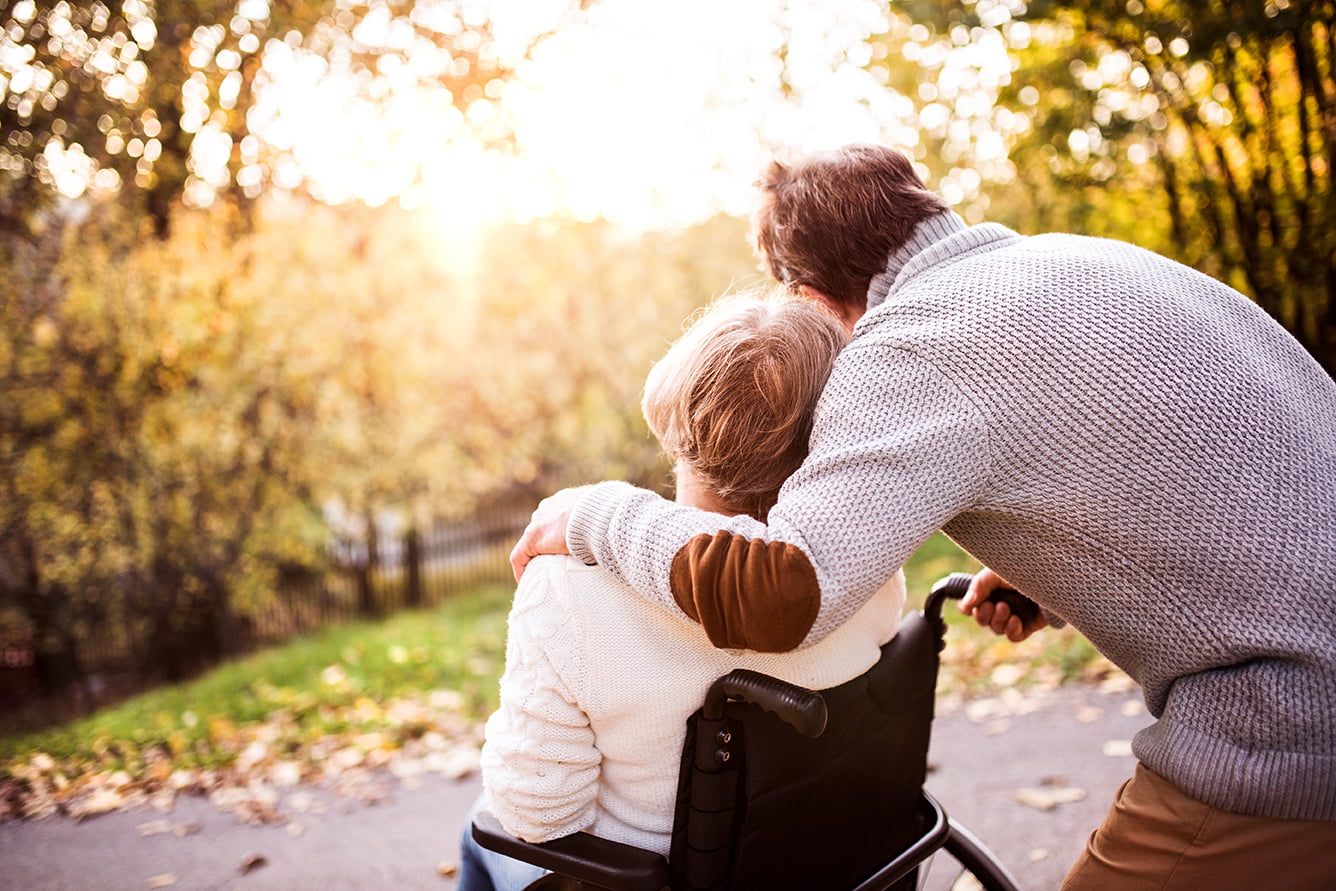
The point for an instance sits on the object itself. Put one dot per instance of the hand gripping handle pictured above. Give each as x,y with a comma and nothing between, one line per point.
802,709
957,584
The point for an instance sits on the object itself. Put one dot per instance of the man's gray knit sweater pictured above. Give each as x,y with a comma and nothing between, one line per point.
1134,445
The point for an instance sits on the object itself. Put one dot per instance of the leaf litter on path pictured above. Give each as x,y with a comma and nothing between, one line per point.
258,764
1052,793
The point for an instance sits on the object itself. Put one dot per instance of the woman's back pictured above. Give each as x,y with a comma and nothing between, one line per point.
597,691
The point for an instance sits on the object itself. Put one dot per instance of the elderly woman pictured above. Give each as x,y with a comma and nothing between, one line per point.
598,685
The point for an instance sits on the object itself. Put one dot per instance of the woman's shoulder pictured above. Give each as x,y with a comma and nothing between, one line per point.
563,572
560,583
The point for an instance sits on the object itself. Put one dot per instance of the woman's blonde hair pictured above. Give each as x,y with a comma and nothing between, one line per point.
733,398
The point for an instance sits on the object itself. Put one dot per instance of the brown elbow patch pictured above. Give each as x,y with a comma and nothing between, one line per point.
746,593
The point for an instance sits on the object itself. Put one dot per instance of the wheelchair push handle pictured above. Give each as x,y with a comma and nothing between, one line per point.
802,709
957,584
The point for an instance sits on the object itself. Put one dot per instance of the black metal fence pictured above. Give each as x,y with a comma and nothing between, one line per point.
388,573
369,576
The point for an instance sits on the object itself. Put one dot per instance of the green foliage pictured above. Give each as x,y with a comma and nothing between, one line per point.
944,63
1202,131
93,379
171,411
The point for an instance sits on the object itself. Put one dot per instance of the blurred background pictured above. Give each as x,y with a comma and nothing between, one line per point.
306,303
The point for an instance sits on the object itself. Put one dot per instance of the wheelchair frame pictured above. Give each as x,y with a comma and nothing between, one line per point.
584,861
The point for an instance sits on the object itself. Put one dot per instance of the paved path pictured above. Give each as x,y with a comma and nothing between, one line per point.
998,763
1048,748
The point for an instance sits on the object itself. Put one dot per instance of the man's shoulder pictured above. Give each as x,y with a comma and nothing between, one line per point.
1092,247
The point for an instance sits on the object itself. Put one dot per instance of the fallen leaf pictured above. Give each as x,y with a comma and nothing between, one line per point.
1047,798
300,802
252,862
1007,674
1037,854
1088,714
1118,748
1117,682
254,753
183,780
39,804
1132,708
333,675
189,827
295,829
166,880
446,699
447,869
153,827
285,773
101,801
982,709
462,761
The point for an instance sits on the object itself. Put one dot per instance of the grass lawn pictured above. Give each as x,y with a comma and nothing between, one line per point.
336,704
359,695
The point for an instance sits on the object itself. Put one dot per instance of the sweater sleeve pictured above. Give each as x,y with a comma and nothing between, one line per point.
540,767
897,450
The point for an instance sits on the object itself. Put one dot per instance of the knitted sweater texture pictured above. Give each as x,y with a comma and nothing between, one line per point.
596,694
1134,445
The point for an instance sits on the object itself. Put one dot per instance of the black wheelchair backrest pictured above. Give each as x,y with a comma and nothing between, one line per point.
761,805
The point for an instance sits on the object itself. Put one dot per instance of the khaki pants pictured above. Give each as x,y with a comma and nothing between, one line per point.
1156,837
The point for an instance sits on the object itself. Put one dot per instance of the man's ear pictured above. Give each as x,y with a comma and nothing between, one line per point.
847,315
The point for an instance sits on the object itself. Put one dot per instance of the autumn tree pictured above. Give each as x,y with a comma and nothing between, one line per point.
154,99
176,411
574,316
180,413
1206,130
156,439
1244,138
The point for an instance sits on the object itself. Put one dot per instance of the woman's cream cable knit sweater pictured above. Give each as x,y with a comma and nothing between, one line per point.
596,694
1136,446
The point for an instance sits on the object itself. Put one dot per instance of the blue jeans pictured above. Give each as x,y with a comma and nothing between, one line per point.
484,870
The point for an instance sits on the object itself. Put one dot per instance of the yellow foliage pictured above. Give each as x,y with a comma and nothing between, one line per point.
184,411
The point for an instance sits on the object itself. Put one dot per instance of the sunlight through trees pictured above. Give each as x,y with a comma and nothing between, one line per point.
273,264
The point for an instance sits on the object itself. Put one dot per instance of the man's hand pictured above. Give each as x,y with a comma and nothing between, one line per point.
546,532
997,616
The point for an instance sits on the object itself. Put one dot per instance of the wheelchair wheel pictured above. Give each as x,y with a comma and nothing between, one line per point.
964,864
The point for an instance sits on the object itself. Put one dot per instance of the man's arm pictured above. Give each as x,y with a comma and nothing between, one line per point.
897,450
764,595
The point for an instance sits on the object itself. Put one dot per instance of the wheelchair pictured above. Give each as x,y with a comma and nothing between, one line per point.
781,787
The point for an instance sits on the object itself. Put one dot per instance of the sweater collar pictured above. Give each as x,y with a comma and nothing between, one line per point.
927,233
